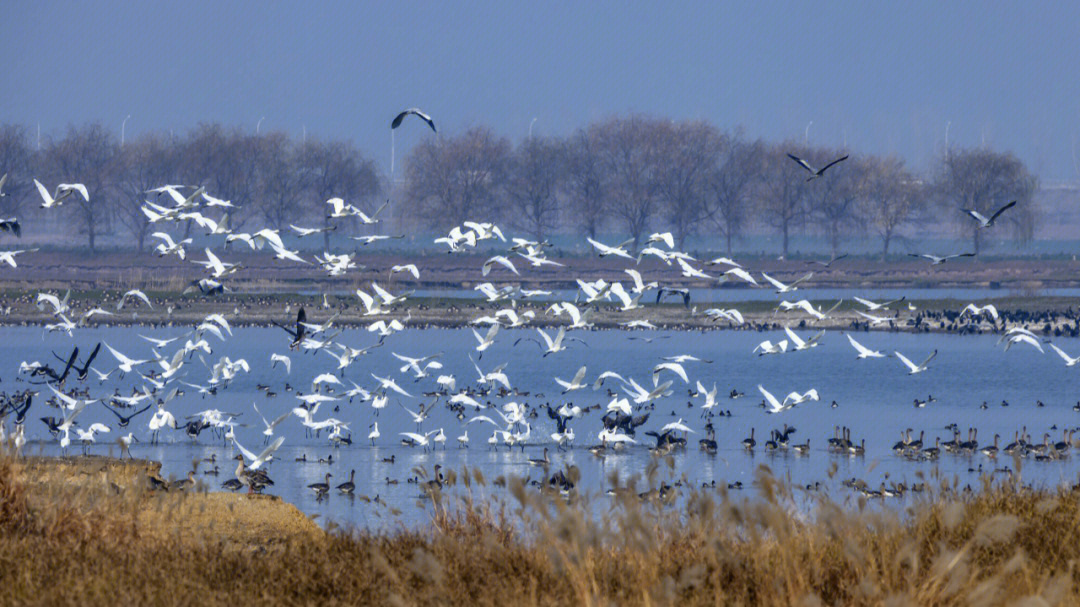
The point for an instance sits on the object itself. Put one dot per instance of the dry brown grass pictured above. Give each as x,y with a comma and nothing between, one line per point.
90,541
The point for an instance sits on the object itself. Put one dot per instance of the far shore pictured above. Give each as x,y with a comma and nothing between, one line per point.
265,291
1046,314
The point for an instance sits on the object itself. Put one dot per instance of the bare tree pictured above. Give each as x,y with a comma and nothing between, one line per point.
688,155
782,195
453,180
833,199
87,155
148,162
630,151
584,186
224,161
983,180
533,180
280,183
731,183
16,159
889,197
335,169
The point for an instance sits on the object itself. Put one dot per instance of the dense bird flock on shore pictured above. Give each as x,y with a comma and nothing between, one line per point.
167,367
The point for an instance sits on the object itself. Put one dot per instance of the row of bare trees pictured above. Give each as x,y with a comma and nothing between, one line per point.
636,174
271,179
629,174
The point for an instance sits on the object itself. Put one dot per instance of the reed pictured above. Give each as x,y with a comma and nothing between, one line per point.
89,541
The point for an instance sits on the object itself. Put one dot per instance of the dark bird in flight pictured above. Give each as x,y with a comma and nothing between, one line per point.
983,221
11,225
207,286
61,376
418,112
85,368
664,292
20,414
814,174
298,334
72,364
124,420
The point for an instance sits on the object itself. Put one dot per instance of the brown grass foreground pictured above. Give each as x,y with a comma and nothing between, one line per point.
91,532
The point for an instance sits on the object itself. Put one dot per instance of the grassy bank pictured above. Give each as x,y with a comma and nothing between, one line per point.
82,535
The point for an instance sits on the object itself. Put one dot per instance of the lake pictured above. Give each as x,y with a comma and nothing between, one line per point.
874,398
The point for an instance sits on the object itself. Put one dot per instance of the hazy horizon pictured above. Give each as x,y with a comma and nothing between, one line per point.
881,78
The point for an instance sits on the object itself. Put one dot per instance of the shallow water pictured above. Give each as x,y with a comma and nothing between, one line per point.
735,295
874,399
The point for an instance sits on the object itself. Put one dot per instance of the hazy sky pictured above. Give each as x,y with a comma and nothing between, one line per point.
885,78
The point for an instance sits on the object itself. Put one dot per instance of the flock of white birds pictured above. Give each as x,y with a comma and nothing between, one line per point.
167,366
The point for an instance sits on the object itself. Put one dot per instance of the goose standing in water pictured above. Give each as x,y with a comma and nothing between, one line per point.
858,450
348,486
254,480
1062,447
749,443
708,444
932,452
322,488
972,443
541,462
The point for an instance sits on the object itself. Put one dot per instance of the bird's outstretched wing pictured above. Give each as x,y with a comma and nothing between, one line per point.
1002,210
802,163
417,112
929,358
904,359
837,161
977,216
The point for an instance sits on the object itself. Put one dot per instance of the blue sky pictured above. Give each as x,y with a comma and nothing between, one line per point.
884,78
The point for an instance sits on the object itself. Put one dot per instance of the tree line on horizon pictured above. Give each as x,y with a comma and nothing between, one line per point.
629,174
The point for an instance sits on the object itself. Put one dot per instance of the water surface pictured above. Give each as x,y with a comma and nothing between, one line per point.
874,398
